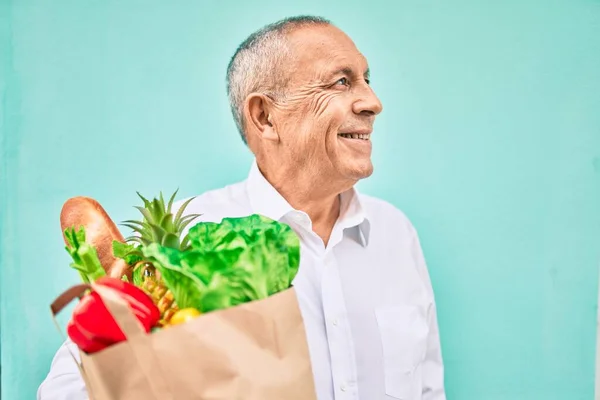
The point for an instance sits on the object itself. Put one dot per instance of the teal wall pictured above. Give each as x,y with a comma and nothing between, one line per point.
489,141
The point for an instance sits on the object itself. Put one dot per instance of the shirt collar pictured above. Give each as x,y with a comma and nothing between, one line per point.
267,201
352,214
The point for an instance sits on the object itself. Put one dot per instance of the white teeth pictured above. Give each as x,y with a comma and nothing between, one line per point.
362,136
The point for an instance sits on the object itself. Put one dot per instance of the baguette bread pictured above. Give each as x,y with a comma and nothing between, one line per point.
100,231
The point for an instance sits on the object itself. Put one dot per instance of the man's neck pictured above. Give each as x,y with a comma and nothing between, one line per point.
320,200
323,212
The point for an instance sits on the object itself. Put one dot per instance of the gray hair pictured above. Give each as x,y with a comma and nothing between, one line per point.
257,63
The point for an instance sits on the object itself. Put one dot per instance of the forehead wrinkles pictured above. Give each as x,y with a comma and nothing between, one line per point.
325,47
311,54
306,74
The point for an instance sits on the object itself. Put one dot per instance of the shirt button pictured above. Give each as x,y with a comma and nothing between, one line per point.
335,322
344,387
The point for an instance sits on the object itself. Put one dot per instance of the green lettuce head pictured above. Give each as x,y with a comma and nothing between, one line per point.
229,263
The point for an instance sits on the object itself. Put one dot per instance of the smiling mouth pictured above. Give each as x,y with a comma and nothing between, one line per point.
360,136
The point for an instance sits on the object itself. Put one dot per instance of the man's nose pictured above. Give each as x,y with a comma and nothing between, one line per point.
367,102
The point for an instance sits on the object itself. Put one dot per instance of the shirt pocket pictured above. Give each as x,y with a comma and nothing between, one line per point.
403,330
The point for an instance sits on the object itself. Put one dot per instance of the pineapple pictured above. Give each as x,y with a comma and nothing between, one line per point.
158,225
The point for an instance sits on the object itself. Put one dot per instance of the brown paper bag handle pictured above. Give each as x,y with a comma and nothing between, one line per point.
131,327
117,307
67,297
56,307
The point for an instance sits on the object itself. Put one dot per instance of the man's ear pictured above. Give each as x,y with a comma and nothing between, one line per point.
258,114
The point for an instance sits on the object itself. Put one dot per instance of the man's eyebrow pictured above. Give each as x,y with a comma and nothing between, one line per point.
349,71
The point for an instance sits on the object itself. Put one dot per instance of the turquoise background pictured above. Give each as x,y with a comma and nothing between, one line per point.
489,141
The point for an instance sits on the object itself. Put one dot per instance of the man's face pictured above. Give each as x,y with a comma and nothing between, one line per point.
326,119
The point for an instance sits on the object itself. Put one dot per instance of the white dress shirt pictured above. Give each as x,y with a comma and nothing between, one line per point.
366,298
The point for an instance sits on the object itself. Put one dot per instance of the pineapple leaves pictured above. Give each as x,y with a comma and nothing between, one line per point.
158,224
134,224
143,231
170,206
166,222
157,210
146,213
146,202
134,239
185,221
170,240
162,202
185,243
182,208
157,233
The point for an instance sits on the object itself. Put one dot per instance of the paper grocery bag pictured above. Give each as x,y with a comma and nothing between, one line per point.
254,351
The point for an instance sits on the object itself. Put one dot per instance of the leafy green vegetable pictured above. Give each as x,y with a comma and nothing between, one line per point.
127,251
85,258
229,263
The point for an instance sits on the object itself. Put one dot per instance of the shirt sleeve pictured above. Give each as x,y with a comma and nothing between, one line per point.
433,366
64,381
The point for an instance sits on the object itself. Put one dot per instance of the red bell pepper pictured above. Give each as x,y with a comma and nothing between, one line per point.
92,327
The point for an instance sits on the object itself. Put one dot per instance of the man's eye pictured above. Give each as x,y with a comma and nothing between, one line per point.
368,81
342,81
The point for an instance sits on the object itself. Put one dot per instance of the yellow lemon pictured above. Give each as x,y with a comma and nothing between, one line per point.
183,316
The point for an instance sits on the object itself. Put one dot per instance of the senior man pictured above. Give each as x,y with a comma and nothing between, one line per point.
300,95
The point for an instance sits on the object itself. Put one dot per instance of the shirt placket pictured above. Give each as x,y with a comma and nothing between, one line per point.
338,332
